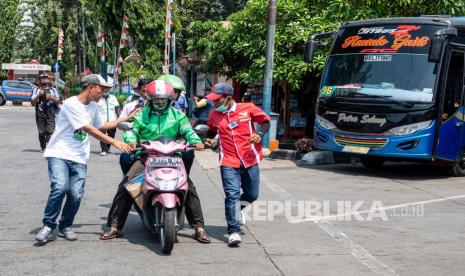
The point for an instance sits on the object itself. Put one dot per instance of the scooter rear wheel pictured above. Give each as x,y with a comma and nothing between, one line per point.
167,233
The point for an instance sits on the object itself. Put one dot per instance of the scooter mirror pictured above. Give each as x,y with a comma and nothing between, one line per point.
125,126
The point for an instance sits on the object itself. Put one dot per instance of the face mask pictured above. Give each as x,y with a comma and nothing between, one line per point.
223,108
159,106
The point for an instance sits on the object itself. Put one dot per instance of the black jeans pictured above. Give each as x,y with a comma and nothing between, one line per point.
45,121
123,201
110,132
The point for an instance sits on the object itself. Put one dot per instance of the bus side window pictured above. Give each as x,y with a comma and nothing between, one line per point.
454,84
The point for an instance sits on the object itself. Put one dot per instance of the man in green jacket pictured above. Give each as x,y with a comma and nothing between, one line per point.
155,120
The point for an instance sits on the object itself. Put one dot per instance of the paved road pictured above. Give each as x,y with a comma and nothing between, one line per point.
423,234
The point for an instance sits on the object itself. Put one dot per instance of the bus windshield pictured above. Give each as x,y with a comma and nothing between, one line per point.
388,62
400,77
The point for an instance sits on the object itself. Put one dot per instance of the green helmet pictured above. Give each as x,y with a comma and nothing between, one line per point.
174,81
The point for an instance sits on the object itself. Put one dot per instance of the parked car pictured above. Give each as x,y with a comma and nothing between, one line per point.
18,91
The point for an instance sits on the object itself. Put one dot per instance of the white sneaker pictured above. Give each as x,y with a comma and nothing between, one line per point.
44,234
68,234
234,240
242,219
103,153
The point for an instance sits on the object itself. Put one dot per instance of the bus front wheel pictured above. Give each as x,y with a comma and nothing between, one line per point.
459,168
372,162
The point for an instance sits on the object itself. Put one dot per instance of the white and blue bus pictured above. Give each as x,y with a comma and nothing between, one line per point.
393,89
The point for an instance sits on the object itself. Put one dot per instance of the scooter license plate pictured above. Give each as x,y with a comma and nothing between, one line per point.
165,162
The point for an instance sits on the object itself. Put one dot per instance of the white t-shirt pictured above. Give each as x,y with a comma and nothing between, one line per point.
68,141
108,107
129,107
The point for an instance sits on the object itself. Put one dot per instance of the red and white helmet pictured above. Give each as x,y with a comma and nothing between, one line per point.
159,89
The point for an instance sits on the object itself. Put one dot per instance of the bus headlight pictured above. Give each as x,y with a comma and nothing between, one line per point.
409,129
325,123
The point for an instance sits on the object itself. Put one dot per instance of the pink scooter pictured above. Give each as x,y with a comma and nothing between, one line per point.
160,191
164,188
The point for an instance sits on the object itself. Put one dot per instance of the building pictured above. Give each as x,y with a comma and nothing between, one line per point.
29,71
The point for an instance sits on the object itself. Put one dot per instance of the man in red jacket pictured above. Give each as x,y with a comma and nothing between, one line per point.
240,152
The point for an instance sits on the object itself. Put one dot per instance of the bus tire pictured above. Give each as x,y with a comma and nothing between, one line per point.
372,162
458,169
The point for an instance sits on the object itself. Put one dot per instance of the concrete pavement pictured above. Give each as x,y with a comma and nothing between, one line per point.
431,243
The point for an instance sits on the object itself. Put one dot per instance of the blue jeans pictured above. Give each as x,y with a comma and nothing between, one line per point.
66,178
233,180
126,160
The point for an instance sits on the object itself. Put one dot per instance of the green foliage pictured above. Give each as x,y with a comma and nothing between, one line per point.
238,49
9,20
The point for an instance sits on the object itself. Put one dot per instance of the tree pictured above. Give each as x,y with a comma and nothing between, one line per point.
237,49
9,21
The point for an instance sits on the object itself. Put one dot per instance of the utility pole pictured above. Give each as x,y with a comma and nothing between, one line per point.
268,80
83,42
173,49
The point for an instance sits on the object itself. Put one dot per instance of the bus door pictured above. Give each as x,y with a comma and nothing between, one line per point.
450,138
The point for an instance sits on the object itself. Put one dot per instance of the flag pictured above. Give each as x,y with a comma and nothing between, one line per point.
60,45
168,23
101,43
122,43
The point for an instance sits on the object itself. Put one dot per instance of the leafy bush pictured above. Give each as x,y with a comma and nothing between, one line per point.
304,145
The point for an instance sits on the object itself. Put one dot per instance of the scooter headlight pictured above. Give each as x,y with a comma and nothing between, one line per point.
325,123
167,185
409,129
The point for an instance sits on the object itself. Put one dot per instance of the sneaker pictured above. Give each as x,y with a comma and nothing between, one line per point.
234,240
103,153
44,234
242,219
68,234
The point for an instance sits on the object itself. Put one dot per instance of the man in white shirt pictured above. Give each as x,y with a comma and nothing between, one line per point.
109,111
46,100
68,152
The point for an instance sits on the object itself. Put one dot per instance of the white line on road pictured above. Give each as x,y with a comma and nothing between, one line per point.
392,207
356,250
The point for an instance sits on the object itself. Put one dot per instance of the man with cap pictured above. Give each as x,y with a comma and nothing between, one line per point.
240,152
68,152
46,101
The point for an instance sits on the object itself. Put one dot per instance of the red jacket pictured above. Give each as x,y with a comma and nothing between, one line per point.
235,129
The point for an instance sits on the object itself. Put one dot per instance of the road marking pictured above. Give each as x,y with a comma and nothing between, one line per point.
397,206
356,250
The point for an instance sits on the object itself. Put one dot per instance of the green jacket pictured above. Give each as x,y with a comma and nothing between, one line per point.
149,126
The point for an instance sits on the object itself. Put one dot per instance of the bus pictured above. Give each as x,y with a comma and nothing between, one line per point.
393,90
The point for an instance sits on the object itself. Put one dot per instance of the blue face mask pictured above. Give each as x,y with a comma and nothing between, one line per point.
223,108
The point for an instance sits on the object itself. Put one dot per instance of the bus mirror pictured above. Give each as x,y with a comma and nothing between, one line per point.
435,49
310,48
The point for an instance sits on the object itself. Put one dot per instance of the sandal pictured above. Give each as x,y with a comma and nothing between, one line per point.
201,237
111,234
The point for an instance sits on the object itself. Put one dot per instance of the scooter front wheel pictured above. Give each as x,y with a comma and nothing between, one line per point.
167,233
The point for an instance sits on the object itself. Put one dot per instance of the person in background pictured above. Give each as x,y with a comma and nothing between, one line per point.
202,108
46,101
247,98
240,152
109,111
126,159
68,154
141,84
